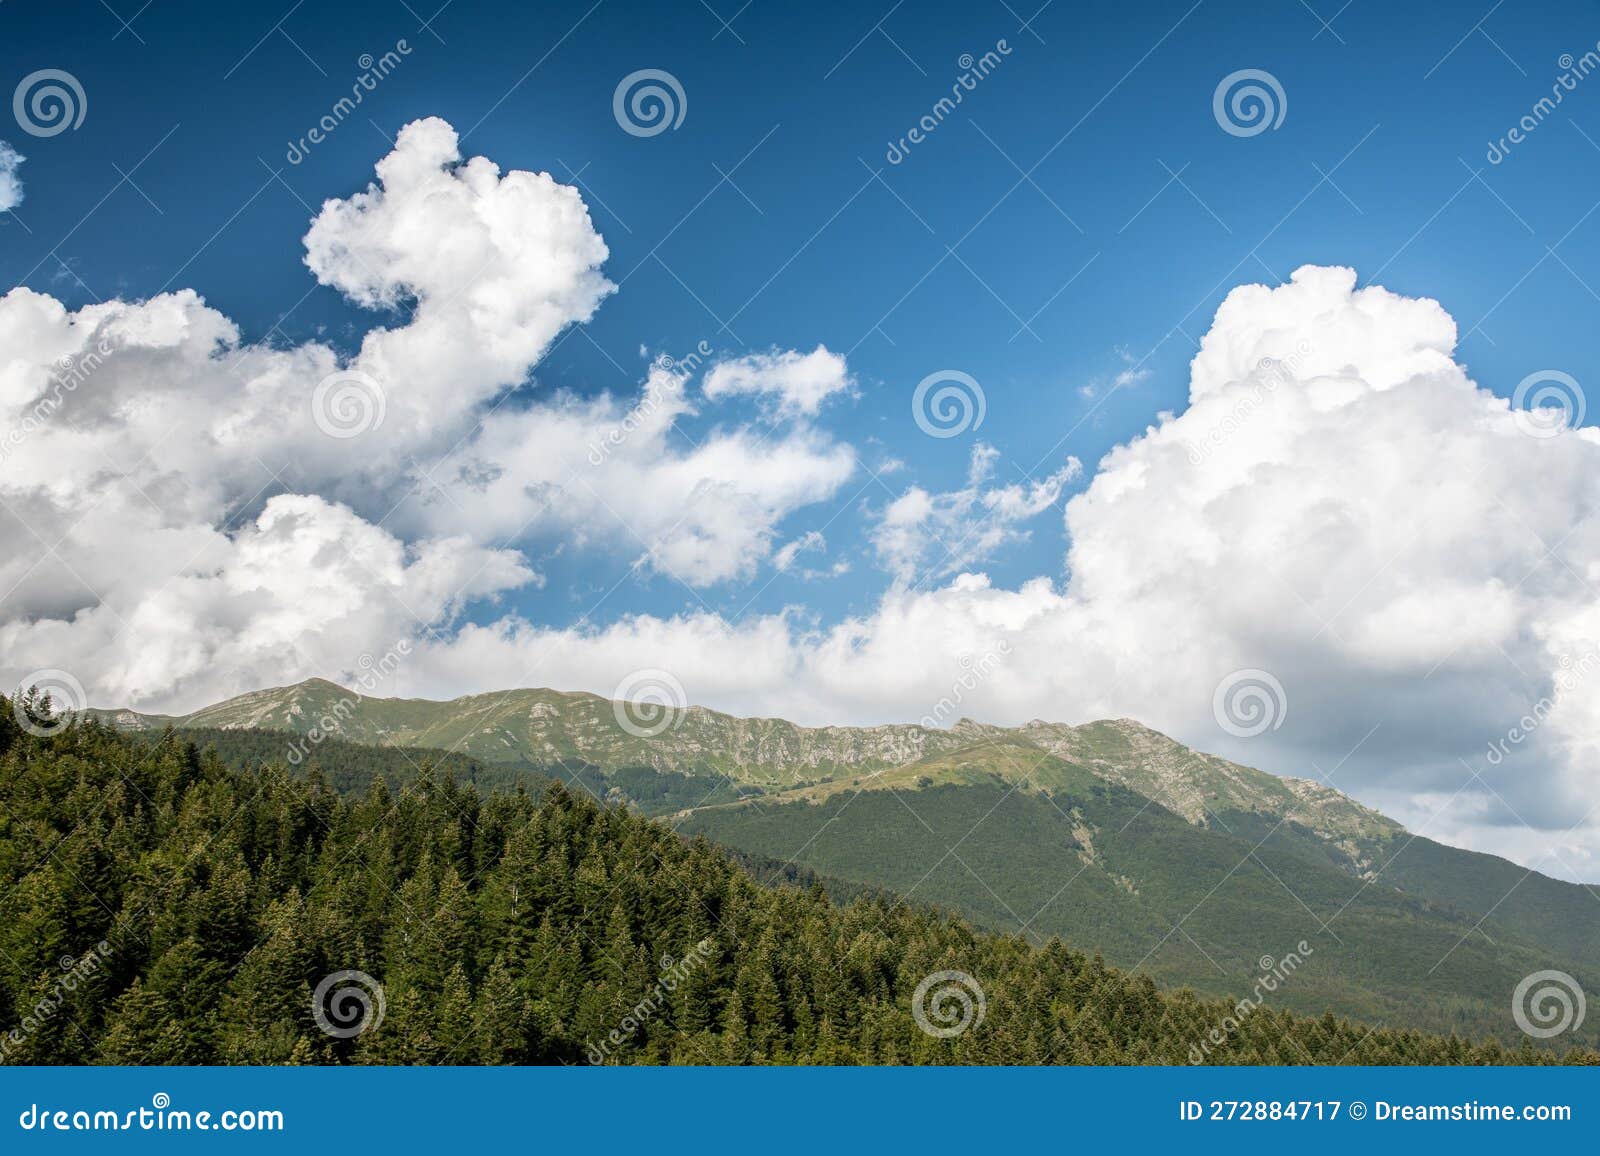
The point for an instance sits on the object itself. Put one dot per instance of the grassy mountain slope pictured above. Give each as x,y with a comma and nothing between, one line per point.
1565,916
1022,841
546,726
1205,789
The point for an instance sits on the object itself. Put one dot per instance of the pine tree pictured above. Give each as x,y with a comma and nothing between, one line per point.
145,1031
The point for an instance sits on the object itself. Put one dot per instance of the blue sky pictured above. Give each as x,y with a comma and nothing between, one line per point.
1065,236
1112,96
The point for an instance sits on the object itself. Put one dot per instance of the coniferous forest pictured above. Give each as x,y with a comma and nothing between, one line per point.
158,906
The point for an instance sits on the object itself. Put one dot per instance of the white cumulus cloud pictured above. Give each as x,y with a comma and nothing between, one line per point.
798,382
10,183
177,519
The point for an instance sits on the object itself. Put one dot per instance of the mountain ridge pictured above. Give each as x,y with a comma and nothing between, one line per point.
529,724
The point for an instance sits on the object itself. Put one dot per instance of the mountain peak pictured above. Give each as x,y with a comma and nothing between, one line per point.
322,685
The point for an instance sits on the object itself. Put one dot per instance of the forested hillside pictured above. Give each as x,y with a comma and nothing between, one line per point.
517,927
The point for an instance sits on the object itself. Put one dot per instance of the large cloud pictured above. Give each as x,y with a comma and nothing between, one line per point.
183,513
490,268
494,266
